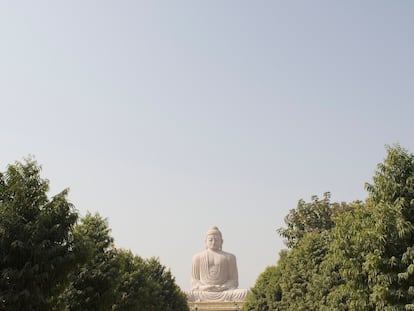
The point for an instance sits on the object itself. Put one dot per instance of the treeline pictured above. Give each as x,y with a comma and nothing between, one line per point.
52,260
348,256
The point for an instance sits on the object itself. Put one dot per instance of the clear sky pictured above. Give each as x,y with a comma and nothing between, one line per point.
168,117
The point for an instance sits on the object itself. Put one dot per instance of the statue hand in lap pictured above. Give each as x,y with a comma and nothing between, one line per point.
214,272
212,288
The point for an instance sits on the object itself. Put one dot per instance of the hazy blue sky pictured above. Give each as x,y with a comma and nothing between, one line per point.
168,117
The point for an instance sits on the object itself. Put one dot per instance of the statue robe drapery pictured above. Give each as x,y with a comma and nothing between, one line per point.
215,278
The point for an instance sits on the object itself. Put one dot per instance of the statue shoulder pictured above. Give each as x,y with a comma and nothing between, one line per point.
229,255
199,255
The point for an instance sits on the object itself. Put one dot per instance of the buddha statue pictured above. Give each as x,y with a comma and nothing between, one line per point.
214,273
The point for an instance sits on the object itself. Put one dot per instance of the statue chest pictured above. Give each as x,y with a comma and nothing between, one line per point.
216,265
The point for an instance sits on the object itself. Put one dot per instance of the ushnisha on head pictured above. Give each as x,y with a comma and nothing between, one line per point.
214,239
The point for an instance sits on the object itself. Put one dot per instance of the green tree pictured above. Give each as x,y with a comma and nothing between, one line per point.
380,265
295,283
93,283
50,262
372,245
349,246
297,272
146,285
168,295
315,216
267,292
350,257
135,291
115,279
36,245
299,280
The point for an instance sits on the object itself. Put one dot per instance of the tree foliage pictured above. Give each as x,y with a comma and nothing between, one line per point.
115,279
267,292
315,216
299,280
35,239
356,256
92,283
51,261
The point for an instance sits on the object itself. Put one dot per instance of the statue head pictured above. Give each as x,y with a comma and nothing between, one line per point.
214,239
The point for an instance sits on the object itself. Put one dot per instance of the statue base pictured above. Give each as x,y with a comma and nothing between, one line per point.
216,306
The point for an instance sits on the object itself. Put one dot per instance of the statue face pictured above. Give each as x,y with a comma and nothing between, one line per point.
214,242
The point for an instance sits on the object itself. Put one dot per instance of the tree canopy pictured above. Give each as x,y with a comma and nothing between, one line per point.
36,241
348,256
52,259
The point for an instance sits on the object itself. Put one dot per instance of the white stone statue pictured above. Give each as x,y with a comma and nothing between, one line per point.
214,273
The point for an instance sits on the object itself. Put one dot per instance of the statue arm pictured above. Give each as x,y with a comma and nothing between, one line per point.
233,281
195,274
